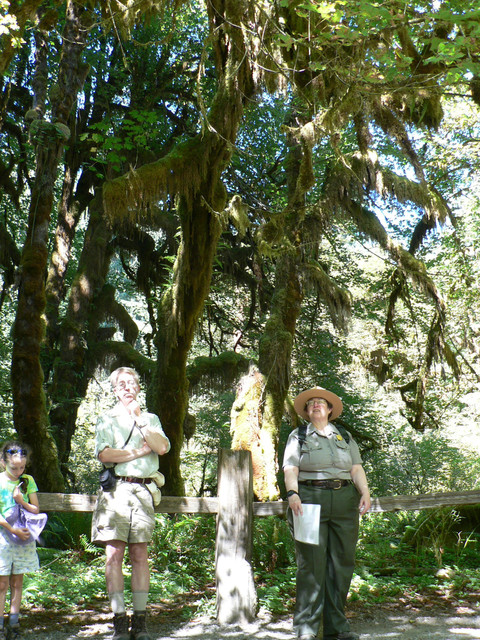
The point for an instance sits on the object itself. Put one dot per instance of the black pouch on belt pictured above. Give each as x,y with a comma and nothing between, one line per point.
107,478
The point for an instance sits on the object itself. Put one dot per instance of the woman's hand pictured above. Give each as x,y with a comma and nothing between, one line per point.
295,504
365,503
291,484
360,481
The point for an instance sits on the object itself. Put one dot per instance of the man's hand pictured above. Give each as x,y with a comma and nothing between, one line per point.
144,449
134,409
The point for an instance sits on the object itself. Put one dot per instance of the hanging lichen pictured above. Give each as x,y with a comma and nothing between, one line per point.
216,372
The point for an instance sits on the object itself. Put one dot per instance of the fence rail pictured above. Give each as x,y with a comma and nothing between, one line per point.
64,502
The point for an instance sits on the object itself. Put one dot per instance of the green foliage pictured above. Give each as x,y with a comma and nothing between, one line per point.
391,562
407,462
66,530
212,432
171,551
273,559
67,580
396,556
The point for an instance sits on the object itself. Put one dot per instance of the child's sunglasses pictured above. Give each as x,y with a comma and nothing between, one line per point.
13,452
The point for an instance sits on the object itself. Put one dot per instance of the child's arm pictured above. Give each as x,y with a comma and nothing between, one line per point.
31,506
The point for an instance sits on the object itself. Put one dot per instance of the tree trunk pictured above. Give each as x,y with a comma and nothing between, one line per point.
30,413
181,307
73,366
259,408
179,312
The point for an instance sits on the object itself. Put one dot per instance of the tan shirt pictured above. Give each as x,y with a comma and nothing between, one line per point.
321,457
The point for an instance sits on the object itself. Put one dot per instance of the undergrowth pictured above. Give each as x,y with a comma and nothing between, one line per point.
395,558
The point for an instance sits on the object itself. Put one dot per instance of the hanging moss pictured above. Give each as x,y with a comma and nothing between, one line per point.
180,173
338,301
217,372
237,211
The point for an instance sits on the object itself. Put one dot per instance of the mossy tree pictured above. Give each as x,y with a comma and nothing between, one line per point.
49,138
160,123
191,175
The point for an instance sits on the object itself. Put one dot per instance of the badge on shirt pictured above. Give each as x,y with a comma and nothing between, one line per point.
339,437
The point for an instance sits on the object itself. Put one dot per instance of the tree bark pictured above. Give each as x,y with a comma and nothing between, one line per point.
73,366
259,408
181,307
30,412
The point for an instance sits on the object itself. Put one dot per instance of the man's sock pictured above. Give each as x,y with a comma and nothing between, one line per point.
139,600
117,601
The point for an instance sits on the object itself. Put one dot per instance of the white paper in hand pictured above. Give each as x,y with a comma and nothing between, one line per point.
307,527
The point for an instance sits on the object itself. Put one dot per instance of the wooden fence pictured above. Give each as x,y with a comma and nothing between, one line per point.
234,510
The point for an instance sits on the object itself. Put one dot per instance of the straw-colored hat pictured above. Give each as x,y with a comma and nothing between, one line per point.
318,392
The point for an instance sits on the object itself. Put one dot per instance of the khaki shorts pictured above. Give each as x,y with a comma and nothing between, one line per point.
125,514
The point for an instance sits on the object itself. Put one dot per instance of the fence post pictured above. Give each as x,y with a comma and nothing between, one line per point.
236,595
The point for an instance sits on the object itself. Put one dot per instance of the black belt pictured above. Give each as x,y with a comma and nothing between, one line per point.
335,483
132,479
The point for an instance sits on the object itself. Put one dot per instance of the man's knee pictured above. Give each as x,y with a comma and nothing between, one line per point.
115,553
138,553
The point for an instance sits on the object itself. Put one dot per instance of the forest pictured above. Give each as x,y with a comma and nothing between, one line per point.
242,199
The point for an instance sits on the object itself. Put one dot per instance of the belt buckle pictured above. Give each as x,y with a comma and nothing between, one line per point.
337,484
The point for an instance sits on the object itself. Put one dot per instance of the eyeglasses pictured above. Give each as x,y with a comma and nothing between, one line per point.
312,403
14,452
123,385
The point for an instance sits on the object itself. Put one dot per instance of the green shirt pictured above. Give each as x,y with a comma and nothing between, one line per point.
321,457
113,429
6,491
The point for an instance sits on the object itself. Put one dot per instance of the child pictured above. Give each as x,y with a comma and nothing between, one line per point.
16,488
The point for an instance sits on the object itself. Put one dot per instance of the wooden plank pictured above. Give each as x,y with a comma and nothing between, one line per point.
389,503
172,504
64,502
236,594
425,501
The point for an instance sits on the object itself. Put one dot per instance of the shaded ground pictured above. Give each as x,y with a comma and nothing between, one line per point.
432,620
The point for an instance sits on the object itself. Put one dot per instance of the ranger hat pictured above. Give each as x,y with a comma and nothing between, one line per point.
318,392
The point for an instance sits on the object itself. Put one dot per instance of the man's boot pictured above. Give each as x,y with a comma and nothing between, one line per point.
121,627
139,626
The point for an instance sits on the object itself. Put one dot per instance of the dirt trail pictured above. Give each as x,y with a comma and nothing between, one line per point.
384,622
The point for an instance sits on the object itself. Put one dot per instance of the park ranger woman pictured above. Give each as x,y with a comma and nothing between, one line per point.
323,468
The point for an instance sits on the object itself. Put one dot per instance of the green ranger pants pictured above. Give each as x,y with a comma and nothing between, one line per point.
324,571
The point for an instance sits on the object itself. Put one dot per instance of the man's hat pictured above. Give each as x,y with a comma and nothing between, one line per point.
318,392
